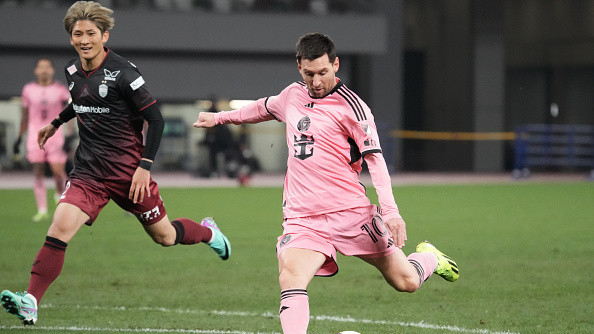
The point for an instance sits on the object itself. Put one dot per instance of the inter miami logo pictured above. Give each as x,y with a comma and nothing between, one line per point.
304,124
109,75
303,146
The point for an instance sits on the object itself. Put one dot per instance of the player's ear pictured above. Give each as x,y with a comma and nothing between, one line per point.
336,65
298,64
105,36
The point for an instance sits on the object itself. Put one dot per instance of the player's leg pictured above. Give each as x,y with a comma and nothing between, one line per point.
56,157
151,213
48,263
40,191
297,267
59,172
185,231
400,272
362,233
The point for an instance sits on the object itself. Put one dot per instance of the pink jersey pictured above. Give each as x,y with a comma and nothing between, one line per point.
327,137
44,103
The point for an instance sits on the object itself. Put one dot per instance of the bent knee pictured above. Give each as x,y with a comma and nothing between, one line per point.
406,284
164,240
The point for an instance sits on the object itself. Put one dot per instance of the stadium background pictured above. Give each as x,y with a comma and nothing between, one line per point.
430,65
454,67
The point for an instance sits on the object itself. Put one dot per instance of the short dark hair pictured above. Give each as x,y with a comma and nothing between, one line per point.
43,58
314,45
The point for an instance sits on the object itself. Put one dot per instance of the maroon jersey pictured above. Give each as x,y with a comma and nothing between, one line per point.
108,102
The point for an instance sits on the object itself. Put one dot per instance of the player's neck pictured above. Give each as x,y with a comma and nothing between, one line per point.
45,82
92,64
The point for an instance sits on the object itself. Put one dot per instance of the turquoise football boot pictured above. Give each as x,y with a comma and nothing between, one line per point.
219,242
21,304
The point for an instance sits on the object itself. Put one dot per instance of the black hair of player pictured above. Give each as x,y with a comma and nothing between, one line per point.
313,46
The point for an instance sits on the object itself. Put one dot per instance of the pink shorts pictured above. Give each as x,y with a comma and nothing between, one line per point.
53,153
91,196
353,232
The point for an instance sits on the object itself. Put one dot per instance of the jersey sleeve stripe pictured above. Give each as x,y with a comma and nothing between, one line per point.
266,106
350,103
148,105
375,150
357,102
302,83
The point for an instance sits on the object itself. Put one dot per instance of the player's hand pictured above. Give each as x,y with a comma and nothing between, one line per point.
44,134
140,185
205,120
397,229
16,147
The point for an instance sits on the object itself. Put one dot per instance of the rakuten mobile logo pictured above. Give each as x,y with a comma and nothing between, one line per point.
87,109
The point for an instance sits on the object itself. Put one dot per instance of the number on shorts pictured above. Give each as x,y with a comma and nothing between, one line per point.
377,229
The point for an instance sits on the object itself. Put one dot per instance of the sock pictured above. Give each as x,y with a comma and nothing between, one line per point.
294,311
190,232
46,267
425,264
40,194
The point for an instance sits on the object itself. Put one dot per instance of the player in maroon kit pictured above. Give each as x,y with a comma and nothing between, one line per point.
111,102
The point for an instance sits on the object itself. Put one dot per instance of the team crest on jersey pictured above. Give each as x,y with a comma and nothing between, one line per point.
304,124
110,76
367,129
103,89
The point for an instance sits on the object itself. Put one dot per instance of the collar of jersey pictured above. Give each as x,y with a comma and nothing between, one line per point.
338,84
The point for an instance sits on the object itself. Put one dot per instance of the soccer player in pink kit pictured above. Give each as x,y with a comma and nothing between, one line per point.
111,104
42,100
329,130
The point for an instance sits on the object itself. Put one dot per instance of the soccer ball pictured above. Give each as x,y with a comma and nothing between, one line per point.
349,332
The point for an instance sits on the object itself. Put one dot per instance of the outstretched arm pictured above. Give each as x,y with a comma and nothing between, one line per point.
254,112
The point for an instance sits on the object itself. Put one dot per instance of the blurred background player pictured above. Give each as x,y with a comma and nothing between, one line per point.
329,130
111,103
42,101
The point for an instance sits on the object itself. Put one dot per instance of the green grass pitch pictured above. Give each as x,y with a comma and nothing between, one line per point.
525,252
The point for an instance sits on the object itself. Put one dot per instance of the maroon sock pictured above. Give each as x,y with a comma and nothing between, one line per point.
190,232
46,267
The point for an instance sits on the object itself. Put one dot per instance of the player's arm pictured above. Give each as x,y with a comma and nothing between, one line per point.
154,132
47,131
380,177
254,112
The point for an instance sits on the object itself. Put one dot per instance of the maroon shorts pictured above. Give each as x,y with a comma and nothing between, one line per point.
91,196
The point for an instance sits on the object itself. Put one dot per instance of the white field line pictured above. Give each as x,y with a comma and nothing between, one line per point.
347,319
131,330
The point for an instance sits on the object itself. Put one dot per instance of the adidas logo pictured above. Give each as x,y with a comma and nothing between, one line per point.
310,105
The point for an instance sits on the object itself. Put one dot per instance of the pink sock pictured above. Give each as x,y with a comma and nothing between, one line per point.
424,263
40,193
294,311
